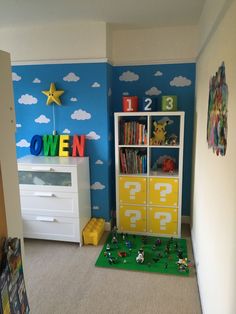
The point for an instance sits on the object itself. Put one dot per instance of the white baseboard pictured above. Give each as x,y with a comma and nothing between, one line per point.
107,226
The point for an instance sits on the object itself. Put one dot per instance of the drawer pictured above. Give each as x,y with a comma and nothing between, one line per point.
132,218
162,220
51,228
47,178
163,191
132,190
49,203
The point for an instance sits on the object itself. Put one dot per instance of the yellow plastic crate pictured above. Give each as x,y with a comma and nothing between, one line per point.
93,231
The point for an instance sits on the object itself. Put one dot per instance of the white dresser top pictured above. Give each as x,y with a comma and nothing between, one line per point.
49,160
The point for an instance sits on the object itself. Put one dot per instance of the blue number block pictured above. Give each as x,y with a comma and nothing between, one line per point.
149,103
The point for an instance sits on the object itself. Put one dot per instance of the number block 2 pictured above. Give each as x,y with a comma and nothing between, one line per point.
169,103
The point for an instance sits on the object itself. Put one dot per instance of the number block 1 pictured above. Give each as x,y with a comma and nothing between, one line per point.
169,103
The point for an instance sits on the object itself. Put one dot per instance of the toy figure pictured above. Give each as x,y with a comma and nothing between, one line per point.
172,140
168,165
183,265
108,247
114,240
159,133
140,257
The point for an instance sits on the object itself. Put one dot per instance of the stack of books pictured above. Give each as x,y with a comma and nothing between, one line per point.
132,133
133,161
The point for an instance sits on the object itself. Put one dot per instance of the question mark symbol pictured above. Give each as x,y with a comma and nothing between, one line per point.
163,221
163,192
137,216
136,189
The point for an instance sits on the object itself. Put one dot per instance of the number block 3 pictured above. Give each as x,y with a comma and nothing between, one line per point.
169,103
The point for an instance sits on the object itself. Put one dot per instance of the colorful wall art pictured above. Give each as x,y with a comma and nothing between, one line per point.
92,93
217,112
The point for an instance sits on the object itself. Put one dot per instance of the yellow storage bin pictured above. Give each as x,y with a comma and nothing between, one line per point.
93,231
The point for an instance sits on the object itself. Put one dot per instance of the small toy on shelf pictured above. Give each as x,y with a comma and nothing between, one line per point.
159,133
172,140
168,165
140,257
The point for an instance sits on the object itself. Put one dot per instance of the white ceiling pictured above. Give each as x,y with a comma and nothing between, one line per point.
135,13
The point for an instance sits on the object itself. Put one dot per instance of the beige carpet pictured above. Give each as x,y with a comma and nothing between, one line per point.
61,278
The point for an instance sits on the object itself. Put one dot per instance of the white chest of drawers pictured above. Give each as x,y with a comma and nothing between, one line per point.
55,197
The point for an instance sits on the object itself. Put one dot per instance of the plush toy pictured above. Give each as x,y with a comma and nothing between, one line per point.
159,133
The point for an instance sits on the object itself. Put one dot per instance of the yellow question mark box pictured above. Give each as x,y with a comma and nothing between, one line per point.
162,220
163,191
132,190
132,218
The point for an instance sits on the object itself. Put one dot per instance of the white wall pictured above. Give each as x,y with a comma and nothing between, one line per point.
214,197
168,44
8,150
75,40
210,17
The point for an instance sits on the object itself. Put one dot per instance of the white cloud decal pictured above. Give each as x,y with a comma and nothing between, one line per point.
27,100
92,136
125,93
23,143
158,73
99,162
18,125
15,77
80,115
97,186
36,81
96,85
42,119
71,77
180,81
128,76
153,91
73,99
109,92
96,207
66,131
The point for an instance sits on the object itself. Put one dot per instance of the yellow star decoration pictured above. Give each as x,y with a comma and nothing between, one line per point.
53,94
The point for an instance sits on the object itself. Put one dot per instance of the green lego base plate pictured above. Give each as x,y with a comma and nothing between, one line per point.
158,257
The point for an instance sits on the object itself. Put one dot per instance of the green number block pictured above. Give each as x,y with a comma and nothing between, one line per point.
169,103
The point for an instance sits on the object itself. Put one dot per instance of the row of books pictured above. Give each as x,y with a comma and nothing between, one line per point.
133,161
133,133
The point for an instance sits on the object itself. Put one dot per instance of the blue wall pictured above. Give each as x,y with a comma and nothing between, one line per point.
84,110
92,92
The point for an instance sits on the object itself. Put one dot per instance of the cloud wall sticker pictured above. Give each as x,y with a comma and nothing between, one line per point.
36,81
73,99
93,136
18,125
99,162
128,76
158,73
180,81
15,77
66,131
71,77
96,85
96,207
42,119
80,115
23,143
153,91
97,186
27,99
